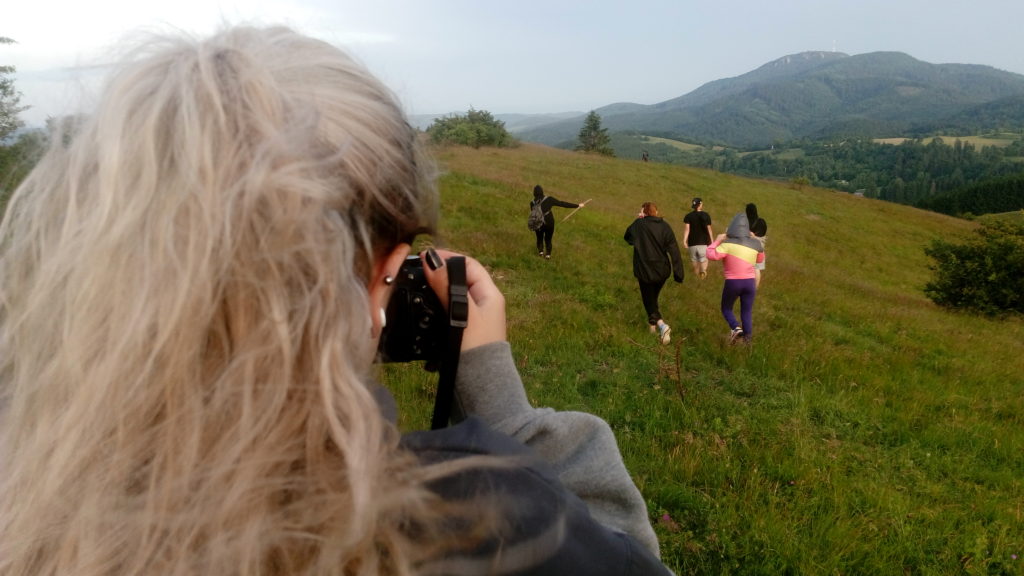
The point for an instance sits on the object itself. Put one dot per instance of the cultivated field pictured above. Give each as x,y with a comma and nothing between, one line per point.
686,147
978,142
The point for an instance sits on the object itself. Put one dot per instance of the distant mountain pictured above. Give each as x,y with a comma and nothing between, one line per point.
782,68
820,95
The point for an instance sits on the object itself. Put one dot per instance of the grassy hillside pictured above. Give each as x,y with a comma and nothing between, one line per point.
865,431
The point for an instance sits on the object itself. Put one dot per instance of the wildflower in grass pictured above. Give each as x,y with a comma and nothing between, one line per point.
668,523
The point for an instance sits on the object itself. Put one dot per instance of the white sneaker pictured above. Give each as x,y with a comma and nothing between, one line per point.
736,334
664,333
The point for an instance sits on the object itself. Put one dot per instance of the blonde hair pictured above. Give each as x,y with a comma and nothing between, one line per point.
185,332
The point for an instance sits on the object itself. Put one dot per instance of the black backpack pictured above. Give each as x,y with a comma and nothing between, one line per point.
536,219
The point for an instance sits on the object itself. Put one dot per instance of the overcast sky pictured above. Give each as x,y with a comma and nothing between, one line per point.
529,56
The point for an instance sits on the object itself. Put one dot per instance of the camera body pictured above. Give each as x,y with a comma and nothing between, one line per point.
417,327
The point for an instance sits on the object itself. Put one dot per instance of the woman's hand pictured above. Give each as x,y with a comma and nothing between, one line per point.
720,237
486,321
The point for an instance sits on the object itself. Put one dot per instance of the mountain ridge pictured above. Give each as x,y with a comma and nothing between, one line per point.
817,95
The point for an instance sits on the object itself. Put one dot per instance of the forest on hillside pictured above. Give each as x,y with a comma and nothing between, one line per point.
918,172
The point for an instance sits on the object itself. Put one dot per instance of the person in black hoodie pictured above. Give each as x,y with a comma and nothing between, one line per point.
655,258
545,233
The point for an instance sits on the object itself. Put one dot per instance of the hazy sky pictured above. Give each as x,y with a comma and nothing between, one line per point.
527,56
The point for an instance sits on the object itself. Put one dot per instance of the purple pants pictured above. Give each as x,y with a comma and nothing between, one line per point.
743,289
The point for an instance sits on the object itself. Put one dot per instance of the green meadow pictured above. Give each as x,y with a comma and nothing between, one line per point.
978,141
865,430
684,146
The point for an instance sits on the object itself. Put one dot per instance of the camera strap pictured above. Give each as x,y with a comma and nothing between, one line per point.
458,313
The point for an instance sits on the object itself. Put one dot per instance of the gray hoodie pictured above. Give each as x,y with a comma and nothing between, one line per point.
739,233
572,506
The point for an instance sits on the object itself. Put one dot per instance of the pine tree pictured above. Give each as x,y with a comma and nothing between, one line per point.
594,138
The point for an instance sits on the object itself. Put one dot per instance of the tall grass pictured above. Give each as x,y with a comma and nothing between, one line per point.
865,431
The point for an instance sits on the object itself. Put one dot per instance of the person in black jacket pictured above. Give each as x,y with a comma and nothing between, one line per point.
545,233
655,258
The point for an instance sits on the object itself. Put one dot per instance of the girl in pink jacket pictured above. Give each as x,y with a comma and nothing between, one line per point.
739,251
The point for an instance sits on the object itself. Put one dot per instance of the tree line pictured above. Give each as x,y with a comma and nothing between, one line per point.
917,172
908,173
995,196
478,128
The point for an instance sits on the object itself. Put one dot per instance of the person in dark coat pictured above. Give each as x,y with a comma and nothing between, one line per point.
655,258
545,234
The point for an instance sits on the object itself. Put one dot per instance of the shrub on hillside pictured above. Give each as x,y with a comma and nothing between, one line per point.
986,274
477,128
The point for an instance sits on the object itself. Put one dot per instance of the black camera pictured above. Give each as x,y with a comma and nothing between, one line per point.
417,326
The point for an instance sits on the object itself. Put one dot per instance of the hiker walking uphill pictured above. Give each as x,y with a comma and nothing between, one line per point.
543,224
696,237
655,258
739,251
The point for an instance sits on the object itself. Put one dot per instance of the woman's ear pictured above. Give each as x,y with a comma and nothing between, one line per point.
385,271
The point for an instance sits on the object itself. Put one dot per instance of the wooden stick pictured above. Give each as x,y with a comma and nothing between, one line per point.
576,210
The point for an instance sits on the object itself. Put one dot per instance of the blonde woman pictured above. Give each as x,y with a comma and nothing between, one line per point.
192,287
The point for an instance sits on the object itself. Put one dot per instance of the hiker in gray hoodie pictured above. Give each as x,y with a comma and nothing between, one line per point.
740,251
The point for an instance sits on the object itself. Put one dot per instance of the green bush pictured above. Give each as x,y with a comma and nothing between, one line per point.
986,274
477,128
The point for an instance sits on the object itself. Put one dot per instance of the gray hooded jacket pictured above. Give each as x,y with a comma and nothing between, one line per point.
739,233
